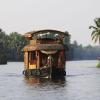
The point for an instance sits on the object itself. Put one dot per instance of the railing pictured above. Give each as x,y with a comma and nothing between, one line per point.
45,42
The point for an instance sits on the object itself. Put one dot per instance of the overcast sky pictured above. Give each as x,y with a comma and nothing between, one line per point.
74,16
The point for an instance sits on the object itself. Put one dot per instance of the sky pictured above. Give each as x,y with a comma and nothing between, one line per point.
74,16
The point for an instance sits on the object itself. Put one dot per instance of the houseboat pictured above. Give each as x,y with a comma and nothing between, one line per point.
45,53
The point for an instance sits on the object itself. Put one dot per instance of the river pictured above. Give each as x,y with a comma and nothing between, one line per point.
82,82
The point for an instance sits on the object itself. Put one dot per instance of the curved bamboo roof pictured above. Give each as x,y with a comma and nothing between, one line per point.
46,30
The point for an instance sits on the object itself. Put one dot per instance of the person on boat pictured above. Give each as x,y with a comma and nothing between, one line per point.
50,61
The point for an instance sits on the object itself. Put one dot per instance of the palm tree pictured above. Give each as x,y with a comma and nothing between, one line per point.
96,33
96,30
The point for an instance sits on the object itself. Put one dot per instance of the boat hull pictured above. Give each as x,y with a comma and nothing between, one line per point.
45,72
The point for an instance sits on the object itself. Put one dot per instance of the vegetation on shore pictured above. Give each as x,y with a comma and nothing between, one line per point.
96,33
98,65
79,52
11,46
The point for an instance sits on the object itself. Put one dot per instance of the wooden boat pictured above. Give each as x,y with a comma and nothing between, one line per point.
45,53
3,55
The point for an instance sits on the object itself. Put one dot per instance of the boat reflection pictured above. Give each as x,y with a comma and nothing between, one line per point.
34,81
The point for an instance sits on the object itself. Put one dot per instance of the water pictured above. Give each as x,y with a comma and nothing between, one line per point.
81,83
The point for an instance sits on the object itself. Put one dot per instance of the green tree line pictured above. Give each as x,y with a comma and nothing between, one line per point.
79,52
11,46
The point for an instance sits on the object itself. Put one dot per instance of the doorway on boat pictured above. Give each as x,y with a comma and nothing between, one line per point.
49,59
32,60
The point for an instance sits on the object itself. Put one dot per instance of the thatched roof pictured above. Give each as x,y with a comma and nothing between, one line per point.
43,47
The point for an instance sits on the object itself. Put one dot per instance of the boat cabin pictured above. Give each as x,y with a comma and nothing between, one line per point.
45,53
